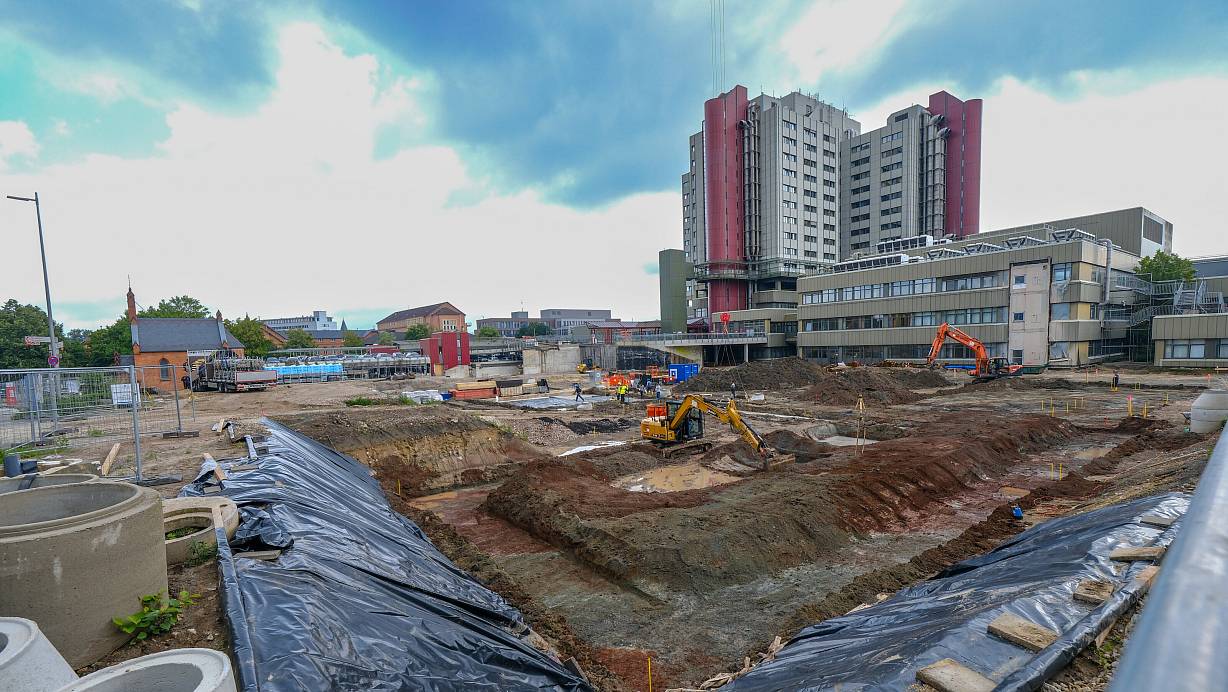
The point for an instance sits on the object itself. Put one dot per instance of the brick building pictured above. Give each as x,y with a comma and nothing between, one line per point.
163,346
439,317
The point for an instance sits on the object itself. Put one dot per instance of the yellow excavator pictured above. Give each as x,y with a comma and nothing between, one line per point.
679,426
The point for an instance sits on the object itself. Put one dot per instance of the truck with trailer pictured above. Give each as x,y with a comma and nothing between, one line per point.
225,371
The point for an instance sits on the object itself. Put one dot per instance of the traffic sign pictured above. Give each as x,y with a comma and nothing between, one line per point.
41,340
53,361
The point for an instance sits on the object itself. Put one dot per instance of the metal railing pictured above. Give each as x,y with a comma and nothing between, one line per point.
694,337
1180,642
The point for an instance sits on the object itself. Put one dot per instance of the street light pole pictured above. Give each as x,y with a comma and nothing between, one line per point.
42,249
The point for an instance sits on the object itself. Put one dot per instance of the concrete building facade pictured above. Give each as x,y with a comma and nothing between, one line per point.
438,317
1031,301
917,175
561,321
1191,341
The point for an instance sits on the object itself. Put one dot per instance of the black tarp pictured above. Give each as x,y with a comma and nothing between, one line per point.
360,599
1032,575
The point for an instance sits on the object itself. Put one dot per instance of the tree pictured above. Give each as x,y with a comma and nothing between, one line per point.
250,332
178,306
385,339
299,338
77,335
350,339
104,343
18,321
1166,266
535,329
416,332
487,333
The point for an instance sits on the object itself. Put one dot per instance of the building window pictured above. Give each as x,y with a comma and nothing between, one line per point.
1021,280
811,193
810,162
889,211
810,179
827,138
861,176
1059,311
893,167
789,189
901,117
1223,348
788,173
811,239
791,158
1061,272
1017,357
861,161
1186,348
812,148
790,141
893,195
892,152
790,127
894,136
1017,317
164,369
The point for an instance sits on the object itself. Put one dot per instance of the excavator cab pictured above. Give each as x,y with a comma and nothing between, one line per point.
692,427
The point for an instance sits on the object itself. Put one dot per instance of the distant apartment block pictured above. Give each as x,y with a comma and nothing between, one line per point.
561,321
777,186
317,320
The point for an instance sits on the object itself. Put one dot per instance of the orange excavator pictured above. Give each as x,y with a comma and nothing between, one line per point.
986,368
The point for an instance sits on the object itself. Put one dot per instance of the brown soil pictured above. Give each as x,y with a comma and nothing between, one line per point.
782,373
767,522
835,386
202,625
545,621
421,449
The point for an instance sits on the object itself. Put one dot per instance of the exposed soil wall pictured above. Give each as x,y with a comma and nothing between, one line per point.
426,449
833,386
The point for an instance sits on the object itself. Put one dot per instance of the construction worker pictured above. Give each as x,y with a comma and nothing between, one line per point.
622,393
733,390
577,387
1116,379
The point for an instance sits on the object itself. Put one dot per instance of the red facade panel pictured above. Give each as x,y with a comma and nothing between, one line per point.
963,169
724,201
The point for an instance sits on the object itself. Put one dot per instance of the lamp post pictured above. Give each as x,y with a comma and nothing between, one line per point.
55,349
54,360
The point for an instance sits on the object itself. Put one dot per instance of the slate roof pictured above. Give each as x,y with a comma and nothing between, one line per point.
181,334
424,311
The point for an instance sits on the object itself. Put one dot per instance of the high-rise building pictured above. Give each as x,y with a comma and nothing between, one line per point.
917,175
760,201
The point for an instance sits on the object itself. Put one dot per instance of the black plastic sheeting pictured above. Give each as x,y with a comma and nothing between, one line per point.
1033,576
360,599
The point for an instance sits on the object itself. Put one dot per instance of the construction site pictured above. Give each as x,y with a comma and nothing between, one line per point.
587,538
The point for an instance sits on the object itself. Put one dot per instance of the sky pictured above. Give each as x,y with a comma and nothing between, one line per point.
362,157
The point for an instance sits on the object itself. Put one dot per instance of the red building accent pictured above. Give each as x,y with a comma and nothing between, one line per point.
963,176
724,200
446,350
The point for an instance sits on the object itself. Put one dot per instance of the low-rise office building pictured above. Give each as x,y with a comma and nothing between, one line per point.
1033,301
1191,341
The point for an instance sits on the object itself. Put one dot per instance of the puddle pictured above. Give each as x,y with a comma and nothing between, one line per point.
557,402
595,445
845,441
1092,453
672,478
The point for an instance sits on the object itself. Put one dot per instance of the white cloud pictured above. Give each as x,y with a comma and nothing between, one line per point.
1121,143
287,209
16,140
835,34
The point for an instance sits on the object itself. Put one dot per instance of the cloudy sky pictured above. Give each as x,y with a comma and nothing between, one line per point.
361,157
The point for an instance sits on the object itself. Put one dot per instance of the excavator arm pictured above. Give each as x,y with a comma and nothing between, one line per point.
728,416
958,335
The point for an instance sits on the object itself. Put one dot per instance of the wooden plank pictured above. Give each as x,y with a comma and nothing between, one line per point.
1104,634
106,463
1157,520
260,554
948,675
1133,554
220,424
1147,575
181,433
1093,591
1020,632
218,473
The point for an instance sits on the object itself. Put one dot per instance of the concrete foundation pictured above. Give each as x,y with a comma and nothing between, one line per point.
551,360
8,485
28,661
72,557
177,670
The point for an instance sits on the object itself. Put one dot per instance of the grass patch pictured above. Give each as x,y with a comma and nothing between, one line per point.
200,553
181,532
361,401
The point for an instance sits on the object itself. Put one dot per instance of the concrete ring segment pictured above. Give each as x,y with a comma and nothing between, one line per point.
11,485
28,661
177,670
225,511
180,549
75,556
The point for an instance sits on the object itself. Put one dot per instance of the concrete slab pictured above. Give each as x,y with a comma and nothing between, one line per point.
948,675
1020,632
1157,520
845,441
1093,591
1132,554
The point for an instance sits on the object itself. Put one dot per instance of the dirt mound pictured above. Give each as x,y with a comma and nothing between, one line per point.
781,373
1022,383
804,448
600,425
426,449
729,534
875,385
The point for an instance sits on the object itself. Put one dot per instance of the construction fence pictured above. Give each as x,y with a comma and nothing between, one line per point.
46,411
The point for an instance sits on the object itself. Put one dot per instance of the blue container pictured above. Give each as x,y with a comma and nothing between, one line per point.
12,465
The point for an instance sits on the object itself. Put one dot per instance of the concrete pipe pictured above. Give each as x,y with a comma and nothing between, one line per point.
225,511
8,485
29,662
180,549
1209,411
177,670
73,557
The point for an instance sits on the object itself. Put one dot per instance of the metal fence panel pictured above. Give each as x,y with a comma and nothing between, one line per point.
65,407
